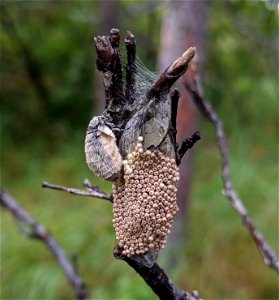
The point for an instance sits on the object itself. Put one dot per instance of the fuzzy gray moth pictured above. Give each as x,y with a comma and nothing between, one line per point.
101,152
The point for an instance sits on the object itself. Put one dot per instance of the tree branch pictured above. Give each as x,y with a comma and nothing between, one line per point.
269,256
172,73
157,279
91,190
108,61
40,233
175,70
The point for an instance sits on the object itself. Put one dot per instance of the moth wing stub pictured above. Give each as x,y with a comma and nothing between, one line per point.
153,124
101,152
129,137
156,127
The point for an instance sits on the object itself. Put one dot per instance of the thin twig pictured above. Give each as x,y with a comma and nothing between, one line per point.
269,256
40,233
188,144
175,95
157,279
91,191
86,183
131,67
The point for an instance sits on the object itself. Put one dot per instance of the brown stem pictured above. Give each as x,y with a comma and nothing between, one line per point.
91,191
40,233
269,256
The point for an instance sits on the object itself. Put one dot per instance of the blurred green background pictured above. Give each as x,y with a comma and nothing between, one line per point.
47,98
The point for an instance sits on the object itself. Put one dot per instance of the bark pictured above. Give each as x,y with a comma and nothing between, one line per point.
184,25
108,11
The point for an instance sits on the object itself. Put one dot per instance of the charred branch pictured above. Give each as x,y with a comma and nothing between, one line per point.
157,279
131,67
133,107
105,53
109,62
175,95
188,144
151,114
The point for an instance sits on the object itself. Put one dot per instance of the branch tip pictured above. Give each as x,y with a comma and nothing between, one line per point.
184,59
187,144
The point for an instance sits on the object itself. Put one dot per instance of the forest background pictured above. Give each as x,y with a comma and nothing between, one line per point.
48,96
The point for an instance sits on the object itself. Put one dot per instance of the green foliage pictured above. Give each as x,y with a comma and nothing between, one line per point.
46,76
47,99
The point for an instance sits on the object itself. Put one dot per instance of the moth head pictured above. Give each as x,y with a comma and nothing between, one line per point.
105,129
100,126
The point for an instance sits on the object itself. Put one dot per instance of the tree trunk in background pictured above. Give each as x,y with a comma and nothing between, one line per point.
108,11
184,25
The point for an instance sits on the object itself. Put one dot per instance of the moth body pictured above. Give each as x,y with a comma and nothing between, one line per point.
101,152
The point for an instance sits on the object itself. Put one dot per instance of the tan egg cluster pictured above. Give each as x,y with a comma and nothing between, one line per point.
145,201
